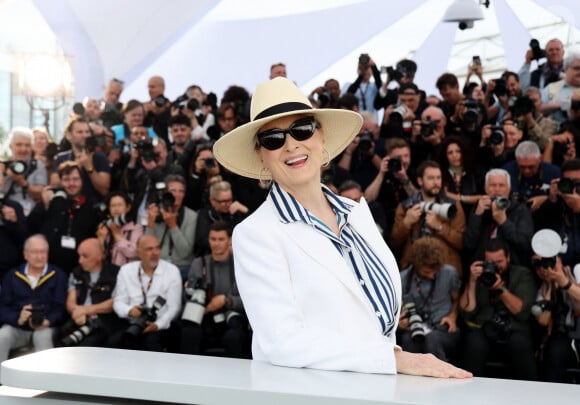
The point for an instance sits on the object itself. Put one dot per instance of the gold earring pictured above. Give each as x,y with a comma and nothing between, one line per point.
263,181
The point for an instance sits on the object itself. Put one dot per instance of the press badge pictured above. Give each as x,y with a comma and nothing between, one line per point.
68,242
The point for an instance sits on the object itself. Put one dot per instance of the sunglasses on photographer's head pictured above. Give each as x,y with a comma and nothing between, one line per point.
301,130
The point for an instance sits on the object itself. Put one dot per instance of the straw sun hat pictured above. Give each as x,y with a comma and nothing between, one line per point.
277,98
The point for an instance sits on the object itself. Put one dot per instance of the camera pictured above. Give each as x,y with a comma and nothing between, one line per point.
94,142
17,167
184,101
498,328
497,136
159,101
194,308
545,262
472,110
209,163
428,127
322,98
567,185
445,210
148,314
500,88
146,149
78,335
58,192
163,198
365,141
501,202
541,306
399,112
488,277
118,220
395,165
37,315
522,106
78,109
364,59
394,73
417,328
537,52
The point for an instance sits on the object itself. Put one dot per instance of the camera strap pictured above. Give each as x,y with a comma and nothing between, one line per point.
143,291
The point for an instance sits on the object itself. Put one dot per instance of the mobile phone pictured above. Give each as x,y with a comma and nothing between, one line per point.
476,60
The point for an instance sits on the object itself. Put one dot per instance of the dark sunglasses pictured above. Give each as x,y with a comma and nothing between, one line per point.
300,130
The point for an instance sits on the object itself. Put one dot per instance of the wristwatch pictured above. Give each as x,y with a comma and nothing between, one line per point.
91,170
502,289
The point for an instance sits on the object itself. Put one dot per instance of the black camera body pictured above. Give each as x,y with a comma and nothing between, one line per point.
537,51
472,112
500,87
146,150
365,141
567,185
498,328
545,262
395,165
163,198
148,314
428,127
522,106
501,202
17,167
159,101
94,142
364,59
38,315
488,276
497,136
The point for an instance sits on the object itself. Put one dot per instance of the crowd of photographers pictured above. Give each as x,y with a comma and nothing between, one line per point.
475,189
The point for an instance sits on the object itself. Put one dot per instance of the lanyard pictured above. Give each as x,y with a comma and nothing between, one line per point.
143,291
427,300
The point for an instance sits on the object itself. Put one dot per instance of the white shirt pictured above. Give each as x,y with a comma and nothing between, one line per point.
165,282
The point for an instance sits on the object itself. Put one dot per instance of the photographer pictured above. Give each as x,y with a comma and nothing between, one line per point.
32,300
430,292
539,128
147,167
202,171
556,97
118,233
403,74
89,301
427,134
360,157
557,307
495,216
223,323
530,176
23,177
547,72
222,207
110,105
147,297
65,217
561,212
94,166
429,213
495,305
395,181
398,118
173,224
157,109
326,96
492,152
448,87
362,87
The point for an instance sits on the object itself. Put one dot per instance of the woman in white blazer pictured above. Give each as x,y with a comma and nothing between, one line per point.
320,286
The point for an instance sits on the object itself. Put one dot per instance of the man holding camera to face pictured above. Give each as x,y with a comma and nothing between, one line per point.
495,305
22,177
547,72
496,216
172,223
429,213
148,297
94,166
219,319
557,307
32,300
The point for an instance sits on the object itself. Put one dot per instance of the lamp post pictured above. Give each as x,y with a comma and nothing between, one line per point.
45,80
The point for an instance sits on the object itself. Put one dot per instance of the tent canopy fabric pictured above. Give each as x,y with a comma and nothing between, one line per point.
219,43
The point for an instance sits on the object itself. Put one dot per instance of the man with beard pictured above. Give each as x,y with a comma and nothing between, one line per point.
429,212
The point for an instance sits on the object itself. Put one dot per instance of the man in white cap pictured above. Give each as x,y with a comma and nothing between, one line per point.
557,303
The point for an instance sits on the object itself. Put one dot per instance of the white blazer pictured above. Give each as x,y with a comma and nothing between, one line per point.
303,300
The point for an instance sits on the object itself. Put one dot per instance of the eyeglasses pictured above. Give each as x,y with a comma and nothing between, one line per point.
229,201
301,130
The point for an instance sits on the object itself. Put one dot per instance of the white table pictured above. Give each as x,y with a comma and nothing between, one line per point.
175,378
